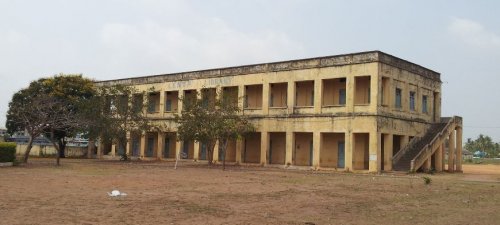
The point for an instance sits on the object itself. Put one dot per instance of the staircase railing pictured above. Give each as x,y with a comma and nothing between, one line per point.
431,147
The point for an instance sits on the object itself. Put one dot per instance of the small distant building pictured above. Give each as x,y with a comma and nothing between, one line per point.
467,155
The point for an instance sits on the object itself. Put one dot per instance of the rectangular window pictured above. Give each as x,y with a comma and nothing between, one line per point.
424,104
412,101
168,106
342,97
398,98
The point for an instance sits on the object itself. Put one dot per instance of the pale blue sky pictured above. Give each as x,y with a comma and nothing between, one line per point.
116,39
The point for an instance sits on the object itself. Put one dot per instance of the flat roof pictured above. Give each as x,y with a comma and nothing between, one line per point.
296,64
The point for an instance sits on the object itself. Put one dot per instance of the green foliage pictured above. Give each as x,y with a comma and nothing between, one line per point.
208,119
113,116
427,180
7,152
483,143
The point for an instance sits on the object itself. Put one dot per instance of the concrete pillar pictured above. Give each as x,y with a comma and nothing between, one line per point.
180,96
289,148
374,150
143,144
443,153
241,98
317,96
404,141
196,151
265,98
162,103
316,149
349,149
264,147
178,146
113,148
128,145
388,151
161,144
239,150
216,153
451,153
427,164
350,82
459,149
438,159
290,97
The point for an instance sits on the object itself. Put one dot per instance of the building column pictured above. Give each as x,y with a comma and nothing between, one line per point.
290,101
438,159
316,149
239,150
143,144
349,149
317,96
128,145
427,164
350,98
216,152
113,148
264,147
388,151
241,98
374,150
443,154
459,150
178,146
451,152
162,103
404,141
196,151
289,148
161,145
180,95
265,98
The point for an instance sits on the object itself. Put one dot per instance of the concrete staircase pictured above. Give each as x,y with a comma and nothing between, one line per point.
420,149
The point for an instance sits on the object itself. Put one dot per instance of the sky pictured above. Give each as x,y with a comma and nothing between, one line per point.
109,39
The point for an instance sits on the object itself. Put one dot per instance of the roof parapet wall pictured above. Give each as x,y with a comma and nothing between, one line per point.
299,64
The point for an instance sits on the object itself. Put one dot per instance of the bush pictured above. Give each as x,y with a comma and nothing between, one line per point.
7,152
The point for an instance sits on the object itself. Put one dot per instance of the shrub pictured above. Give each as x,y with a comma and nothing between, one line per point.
7,152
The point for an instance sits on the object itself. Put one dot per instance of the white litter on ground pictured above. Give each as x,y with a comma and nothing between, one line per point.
116,193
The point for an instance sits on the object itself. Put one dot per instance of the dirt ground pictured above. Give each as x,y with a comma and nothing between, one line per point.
76,193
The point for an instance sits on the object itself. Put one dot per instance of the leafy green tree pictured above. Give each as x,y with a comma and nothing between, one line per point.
210,121
116,110
483,143
51,106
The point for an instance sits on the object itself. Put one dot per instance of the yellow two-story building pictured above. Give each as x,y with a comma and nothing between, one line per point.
363,111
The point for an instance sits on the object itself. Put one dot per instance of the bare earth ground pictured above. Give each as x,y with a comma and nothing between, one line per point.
75,193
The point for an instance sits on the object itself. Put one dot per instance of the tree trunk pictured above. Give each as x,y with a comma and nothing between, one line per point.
90,148
56,147
224,147
28,149
62,148
210,152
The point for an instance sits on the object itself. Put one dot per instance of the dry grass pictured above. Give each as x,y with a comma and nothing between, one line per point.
75,193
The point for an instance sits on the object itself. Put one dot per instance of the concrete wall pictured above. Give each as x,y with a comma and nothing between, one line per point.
49,150
363,72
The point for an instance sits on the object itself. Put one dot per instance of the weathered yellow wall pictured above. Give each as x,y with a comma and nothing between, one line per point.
304,93
331,88
303,148
361,154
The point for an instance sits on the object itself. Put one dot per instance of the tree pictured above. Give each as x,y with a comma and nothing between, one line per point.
210,121
51,106
483,143
116,110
